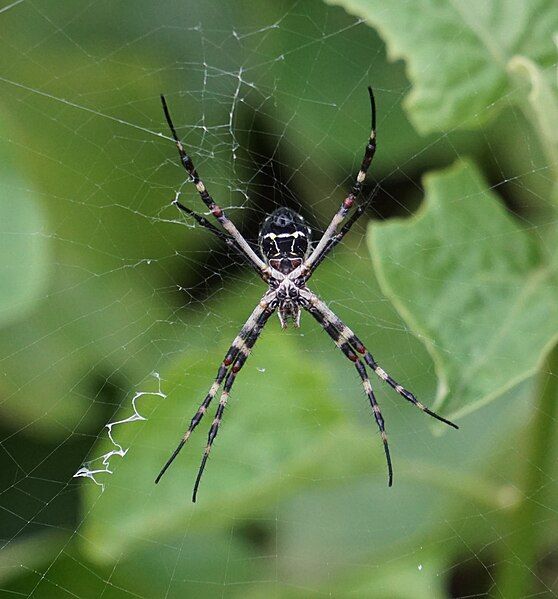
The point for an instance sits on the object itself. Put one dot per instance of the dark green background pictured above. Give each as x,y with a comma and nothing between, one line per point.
103,284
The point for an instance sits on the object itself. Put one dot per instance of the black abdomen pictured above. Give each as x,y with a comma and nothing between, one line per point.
284,240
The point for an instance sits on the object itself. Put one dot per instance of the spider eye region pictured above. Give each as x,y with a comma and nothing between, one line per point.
284,239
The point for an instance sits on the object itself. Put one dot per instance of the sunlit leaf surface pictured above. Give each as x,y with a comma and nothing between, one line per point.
471,283
456,76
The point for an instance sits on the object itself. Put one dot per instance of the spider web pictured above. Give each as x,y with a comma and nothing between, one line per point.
134,307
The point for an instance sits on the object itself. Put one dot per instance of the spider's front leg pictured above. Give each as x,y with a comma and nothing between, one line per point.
207,199
201,220
331,237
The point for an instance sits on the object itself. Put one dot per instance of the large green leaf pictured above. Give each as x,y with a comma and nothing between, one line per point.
261,461
543,104
457,52
471,284
197,564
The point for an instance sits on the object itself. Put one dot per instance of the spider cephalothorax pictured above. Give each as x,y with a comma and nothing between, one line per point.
286,264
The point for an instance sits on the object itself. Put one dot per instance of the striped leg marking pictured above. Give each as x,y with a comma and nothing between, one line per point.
401,390
325,244
377,415
238,350
239,362
356,344
340,339
337,238
202,221
215,210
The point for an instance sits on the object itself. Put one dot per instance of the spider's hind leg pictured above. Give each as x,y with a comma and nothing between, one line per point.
340,339
235,357
237,364
354,342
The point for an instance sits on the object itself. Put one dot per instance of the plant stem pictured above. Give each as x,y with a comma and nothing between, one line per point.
527,521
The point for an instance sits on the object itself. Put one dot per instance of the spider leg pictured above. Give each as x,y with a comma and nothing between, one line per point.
238,347
216,210
360,209
201,220
325,244
336,334
359,347
235,368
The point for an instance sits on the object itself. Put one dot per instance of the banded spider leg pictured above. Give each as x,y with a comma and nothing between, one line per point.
214,208
352,347
329,238
234,360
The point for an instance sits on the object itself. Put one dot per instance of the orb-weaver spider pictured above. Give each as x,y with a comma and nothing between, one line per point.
286,263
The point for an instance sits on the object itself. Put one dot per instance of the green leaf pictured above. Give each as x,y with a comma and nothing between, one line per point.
144,573
57,360
29,553
470,283
542,104
457,52
415,576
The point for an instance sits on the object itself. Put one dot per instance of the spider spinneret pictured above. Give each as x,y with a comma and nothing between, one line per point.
286,263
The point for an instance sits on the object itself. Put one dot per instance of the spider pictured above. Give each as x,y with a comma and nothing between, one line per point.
285,262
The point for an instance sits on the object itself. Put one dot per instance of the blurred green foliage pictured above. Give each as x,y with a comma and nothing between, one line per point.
103,284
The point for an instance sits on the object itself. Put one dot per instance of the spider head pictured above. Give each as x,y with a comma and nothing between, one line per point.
284,240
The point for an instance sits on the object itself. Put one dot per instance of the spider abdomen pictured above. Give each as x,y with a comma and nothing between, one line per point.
284,240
